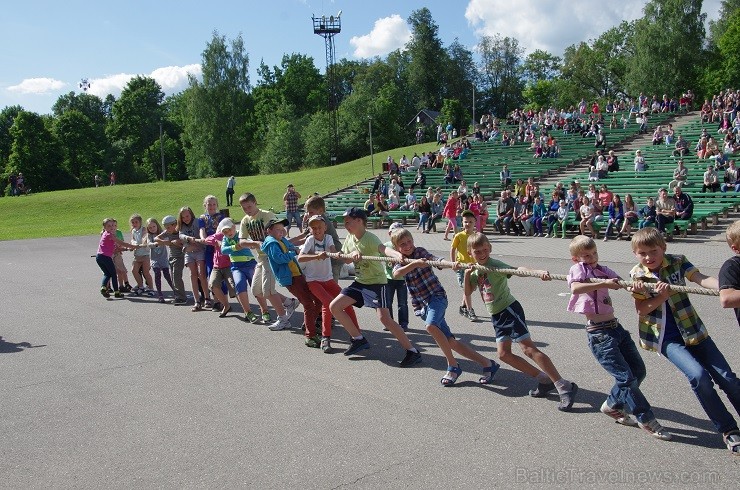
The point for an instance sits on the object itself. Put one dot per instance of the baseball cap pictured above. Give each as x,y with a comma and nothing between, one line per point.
355,212
274,222
169,220
316,217
224,223
394,227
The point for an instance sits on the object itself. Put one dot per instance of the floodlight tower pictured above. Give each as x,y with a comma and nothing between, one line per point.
328,27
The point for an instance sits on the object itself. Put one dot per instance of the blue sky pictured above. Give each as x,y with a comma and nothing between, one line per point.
49,46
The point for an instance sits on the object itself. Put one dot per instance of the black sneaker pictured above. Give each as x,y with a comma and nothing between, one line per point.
542,390
410,359
567,399
356,346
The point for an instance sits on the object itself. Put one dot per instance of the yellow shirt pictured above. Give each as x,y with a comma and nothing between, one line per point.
460,245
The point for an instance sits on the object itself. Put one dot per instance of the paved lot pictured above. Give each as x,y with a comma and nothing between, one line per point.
131,393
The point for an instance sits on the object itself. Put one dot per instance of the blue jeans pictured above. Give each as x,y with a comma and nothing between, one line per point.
701,364
617,353
398,288
294,216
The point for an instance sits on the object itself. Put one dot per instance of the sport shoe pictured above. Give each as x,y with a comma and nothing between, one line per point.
410,359
656,430
463,310
180,302
356,345
104,292
567,399
542,390
471,314
619,415
161,299
250,317
266,317
118,294
217,306
281,324
149,292
290,306
314,341
325,345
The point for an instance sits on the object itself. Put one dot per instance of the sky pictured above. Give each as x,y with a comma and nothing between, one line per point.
50,46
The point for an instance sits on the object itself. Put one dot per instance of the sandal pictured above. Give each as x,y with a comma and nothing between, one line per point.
225,311
487,379
449,379
209,304
732,440
197,307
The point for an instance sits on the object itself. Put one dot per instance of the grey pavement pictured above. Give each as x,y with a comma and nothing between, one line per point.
135,394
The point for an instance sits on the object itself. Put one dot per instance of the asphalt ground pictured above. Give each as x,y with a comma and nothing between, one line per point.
130,393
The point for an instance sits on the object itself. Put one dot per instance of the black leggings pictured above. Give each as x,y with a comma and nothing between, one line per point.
109,271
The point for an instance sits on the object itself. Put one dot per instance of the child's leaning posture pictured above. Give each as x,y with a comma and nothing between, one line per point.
104,258
396,287
429,301
158,257
195,257
459,253
243,264
221,269
609,342
171,238
670,325
318,271
141,265
729,274
368,288
510,325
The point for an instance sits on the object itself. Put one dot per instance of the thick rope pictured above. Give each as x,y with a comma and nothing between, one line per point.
516,272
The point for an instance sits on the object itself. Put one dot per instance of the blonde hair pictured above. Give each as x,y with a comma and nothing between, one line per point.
733,234
154,220
647,237
477,240
399,234
580,244
209,197
135,216
108,220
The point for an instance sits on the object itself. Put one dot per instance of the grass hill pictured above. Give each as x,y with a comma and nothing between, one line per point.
81,211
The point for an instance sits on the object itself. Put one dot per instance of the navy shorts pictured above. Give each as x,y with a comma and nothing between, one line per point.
370,295
510,324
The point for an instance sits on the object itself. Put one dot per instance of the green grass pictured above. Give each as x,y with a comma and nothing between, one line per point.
81,211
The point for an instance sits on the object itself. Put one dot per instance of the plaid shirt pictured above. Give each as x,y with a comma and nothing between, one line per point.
422,282
675,269
291,202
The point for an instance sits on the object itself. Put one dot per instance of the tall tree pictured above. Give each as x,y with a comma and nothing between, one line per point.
7,117
460,79
500,69
668,42
540,65
217,125
81,155
718,27
426,56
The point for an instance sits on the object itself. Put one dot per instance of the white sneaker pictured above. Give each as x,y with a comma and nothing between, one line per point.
619,415
546,235
281,324
290,306
656,430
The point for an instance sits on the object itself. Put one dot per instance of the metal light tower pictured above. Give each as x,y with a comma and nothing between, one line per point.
328,27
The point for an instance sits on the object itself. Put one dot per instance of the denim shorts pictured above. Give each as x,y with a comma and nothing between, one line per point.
433,313
370,295
194,257
461,277
510,324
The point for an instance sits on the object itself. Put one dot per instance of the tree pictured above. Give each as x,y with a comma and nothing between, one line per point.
729,49
668,42
453,111
316,139
7,117
502,84
216,132
280,152
426,56
540,65
81,156
718,27
460,78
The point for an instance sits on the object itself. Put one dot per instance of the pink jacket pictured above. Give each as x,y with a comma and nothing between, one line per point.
597,301
220,261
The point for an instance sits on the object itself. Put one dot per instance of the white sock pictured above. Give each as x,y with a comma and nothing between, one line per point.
563,386
359,337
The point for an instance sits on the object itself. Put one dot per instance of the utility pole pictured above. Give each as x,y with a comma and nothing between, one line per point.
161,152
372,160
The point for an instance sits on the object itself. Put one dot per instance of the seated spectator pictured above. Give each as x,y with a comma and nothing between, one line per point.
684,204
640,165
593,174
682,147
505,177
504,213
665,209
658,135
647,214
711,180
680,175
602,167
731,178
612,162
668,134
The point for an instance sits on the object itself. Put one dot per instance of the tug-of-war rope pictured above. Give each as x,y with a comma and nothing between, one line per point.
516,272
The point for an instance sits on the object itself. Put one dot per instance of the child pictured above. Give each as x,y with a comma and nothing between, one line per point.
587,217
281,255
368,288
729,274
318,272
252,227
558,221
510,326
459,253
208,223
121,271
104,257
315,205
450,212
171,238
142,263
648,214
670,325
430,302
610,344
396,287
195,257
243,264
221,270
158,257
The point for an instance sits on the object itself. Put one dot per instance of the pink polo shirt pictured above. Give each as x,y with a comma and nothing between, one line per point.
597,301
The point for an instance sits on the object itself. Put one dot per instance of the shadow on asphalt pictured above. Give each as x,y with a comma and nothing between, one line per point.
11,347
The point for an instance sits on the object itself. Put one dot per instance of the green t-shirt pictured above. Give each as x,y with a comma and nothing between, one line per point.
494,286
366,271
389,265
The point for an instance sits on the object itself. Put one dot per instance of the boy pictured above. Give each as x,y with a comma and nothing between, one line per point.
610,344
396,287
252,227
729,274
315,205
281,255
368,288
509,324
670,325
171,238
429,300
459,253
241,263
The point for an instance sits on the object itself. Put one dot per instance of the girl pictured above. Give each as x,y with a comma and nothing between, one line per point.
616,216
425,210
475,207
587,217
104,258
195,260
450,212
208,223
437,210
158,257
142,263
630,217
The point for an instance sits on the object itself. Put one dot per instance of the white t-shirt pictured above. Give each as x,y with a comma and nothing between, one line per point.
317,270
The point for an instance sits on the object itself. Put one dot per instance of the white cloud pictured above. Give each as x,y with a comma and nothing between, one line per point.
172,79
553,25
38,86
388,34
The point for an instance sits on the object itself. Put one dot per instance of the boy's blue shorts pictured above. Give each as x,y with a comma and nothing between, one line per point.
433,313
510,324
